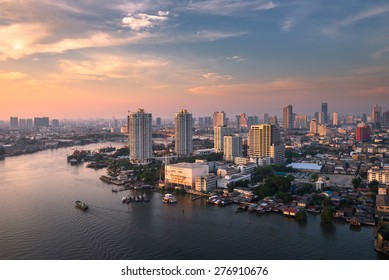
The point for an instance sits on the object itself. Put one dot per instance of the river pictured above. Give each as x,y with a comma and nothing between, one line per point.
38,220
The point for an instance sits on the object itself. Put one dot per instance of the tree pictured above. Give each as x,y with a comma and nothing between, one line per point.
326,214
315,176
277,183
261,173
290,177
356,182
285,197
2,151
148,176
373,186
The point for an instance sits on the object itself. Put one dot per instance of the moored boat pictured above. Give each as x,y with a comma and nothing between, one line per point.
169,198
81,205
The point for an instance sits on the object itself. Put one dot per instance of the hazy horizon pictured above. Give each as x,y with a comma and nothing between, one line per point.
70,59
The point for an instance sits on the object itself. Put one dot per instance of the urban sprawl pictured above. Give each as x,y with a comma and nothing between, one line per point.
333,164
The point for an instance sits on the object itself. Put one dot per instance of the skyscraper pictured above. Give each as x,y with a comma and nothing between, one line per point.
251,120
265,142
324,110
183,124
218,137
335,118
320,118
300,121
385,119
41,122
265,118
313,126
376,115
288,117
139,135
219,119
14,122
232,147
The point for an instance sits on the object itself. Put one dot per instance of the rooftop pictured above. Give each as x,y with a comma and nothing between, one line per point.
305,166
186,165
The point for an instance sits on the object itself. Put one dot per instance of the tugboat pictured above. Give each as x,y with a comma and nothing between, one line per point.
81,205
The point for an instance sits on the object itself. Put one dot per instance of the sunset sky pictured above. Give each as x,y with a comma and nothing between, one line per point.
81,59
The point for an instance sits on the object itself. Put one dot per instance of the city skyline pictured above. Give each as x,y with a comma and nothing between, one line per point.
97,59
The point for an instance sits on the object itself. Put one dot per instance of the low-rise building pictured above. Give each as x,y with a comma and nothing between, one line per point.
206,183
382,203
222,172
380,175
223,182
184,174
247,168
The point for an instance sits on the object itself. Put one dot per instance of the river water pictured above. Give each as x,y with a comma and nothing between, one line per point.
38,220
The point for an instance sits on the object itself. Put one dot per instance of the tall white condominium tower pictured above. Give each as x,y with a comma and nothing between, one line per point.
218,137
184,131
219,119
232,147
265,142
139,135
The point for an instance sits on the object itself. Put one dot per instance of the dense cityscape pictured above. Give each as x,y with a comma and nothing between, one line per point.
332,164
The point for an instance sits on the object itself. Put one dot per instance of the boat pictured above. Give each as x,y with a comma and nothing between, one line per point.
145,198
140,197
124,199
169,198
81,205
355,222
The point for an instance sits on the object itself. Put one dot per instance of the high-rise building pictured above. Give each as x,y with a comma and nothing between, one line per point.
183,124
14,122
252,120
232,147
376,115
219,119
140,135
362,132
30,123
324,110
364,118
320,118
265,142
218,137
288,117
238,127
208,121
158,121
242,120
300,121
201,122
55,123
385,119
41,122
313,126
22,123
273,120
265,118
335,118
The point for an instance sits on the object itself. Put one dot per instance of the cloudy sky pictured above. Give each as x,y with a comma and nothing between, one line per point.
98,58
